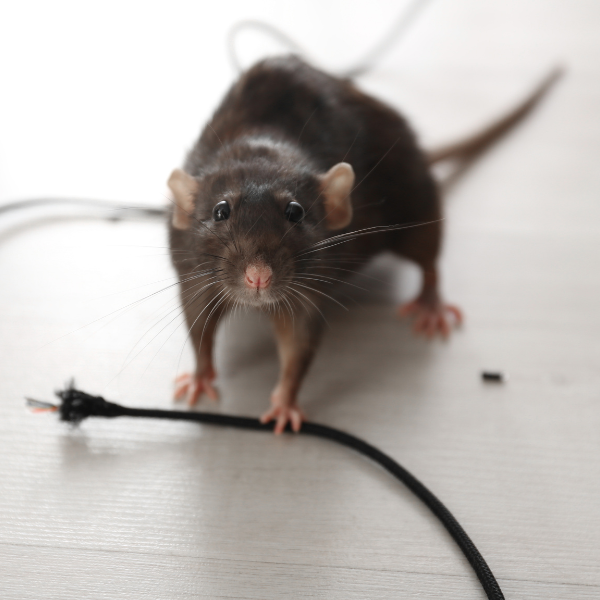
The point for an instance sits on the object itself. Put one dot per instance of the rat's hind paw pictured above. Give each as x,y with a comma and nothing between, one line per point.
431,319
284,414
190,387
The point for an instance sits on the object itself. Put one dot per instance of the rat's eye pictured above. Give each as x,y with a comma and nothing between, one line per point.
221,211
294,212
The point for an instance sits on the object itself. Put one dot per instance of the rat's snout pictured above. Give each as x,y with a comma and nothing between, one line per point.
258,276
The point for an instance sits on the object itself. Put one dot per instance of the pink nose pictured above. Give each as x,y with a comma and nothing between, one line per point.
258,276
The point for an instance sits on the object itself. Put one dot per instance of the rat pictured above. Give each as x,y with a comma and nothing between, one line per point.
298,178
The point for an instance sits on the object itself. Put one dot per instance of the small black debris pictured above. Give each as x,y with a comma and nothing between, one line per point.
494,376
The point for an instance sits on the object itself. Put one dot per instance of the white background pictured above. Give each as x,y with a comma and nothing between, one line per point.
103,100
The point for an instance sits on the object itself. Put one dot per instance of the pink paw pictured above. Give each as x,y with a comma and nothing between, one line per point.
190,387
283,412
431,319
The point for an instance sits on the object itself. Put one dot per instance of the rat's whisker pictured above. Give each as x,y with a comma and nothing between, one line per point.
377,163
366,230
343,159
369,205
309,300
206,262
215,307
215,234
239,308
331,264
137,287
177,299
226,308
354,272
331,280
341,255
217,256
297,296
121,310
255,222
289,306
333,258
126,364
334,282
321,191
351,145
356,234
162,345
369,230
233,311
213,130
196,295
306,123
187,337
231,237
178,251
320,292
192,291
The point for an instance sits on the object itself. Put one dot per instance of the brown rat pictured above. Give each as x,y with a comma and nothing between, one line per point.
266,199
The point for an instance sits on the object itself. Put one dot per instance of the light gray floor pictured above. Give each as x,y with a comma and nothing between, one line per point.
135,509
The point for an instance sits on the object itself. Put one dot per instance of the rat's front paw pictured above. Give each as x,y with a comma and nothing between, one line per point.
431,318
284,410
190,387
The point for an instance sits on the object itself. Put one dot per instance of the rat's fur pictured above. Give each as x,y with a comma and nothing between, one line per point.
278,131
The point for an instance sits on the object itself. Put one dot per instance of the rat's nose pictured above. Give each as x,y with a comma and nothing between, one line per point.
258,276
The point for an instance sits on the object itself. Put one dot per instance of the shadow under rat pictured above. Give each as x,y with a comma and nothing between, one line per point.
361,348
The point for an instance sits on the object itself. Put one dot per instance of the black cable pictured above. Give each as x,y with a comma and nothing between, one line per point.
77,406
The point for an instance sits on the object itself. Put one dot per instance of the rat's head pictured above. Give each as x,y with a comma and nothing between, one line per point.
253,222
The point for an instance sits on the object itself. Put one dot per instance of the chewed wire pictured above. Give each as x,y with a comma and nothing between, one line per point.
38,406
77,406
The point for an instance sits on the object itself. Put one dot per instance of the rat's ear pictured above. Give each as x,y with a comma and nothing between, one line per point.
336,186
184,188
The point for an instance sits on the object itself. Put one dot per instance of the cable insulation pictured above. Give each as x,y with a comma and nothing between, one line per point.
77,406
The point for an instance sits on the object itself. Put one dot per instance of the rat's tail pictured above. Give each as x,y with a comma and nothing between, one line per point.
473,145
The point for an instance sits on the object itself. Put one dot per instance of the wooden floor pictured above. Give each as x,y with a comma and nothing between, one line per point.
157,510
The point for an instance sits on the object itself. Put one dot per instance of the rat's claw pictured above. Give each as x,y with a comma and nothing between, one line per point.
284,414
431,319
190,387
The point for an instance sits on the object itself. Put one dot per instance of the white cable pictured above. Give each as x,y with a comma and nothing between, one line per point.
400,27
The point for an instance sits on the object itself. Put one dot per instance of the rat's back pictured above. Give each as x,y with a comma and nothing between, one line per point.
331,121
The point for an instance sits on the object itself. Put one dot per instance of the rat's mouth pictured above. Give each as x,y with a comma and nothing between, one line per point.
257,297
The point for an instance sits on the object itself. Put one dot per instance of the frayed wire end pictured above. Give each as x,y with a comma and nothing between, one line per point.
75,406
38,406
